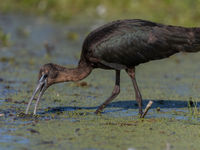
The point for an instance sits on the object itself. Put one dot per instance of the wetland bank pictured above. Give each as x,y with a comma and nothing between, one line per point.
66,118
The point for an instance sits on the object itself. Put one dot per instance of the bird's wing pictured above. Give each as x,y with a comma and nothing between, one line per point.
131,48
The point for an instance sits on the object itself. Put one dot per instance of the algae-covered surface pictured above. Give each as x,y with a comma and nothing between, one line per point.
66,118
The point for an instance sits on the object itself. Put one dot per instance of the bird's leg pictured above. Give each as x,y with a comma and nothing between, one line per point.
131,73
114,94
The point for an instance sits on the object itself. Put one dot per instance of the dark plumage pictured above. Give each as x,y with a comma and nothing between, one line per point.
122,44
127,43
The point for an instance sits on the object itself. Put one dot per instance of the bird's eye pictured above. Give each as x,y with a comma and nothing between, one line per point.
45,76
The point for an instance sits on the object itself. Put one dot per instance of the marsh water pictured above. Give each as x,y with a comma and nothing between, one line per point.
66,118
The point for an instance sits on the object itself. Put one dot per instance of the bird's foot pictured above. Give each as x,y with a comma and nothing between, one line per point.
98,111
141,114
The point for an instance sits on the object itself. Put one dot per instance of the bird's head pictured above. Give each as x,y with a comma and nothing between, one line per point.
48,75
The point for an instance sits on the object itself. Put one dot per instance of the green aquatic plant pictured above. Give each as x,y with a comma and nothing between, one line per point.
72,36
193,107
23,32
166,11
4,38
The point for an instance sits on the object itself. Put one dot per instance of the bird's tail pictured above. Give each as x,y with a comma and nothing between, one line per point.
191,40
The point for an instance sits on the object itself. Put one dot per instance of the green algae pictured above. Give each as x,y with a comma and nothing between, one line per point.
167,11
92,132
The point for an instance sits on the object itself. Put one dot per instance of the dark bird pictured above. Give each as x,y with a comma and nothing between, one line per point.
118,45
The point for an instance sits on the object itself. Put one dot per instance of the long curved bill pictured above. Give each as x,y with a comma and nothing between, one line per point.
40,87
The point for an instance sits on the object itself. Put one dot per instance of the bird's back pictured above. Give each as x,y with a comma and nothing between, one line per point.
127,43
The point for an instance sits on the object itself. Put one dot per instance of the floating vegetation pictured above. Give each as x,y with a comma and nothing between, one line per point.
193,107
49,48
23,115
72,36
7,59
82,84
4,38
23,32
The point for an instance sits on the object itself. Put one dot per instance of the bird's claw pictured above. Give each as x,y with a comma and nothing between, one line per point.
98,112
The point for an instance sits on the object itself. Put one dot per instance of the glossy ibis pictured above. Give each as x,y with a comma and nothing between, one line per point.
118,45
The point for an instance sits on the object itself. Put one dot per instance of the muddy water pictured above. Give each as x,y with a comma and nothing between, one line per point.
65,117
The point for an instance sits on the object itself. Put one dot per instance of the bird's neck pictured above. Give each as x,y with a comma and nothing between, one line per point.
74,74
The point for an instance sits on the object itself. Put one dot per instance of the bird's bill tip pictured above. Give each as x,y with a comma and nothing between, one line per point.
40,87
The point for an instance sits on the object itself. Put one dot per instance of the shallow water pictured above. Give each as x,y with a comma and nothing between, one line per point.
65,117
